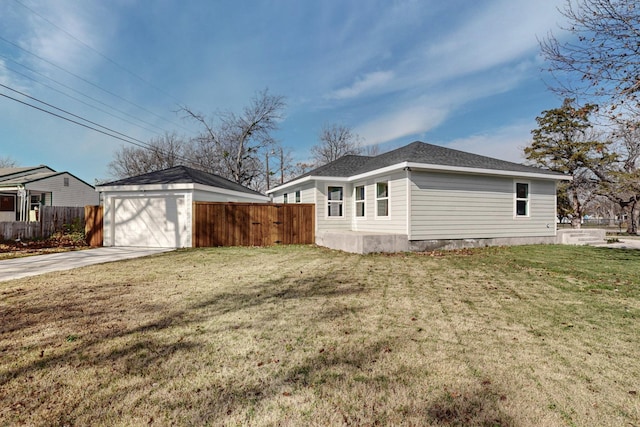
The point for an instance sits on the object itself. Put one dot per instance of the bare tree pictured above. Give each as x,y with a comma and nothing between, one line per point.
336,140
160,153
7,162
622,185
602,59
233,145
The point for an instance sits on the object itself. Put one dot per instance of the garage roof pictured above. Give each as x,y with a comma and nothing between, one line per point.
182,175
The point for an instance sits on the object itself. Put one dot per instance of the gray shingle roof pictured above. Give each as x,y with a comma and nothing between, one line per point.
182,175
420,152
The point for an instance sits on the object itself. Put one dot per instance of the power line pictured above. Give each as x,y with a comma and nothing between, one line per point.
89,82
82,94
67,112
70,120
102,55
107,131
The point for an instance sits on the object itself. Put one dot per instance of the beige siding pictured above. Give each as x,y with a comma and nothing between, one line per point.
324,222
78,193
454,206
396,222
307,194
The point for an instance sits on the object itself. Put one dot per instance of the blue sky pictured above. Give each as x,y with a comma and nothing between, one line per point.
460,73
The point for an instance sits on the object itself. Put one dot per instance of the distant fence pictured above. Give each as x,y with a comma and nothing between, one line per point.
606,223
52,220
252,224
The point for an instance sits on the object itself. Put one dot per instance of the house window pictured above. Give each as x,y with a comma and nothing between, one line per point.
66,182
522,199
334,201
359,198
298,196
7,203
286,198
382,199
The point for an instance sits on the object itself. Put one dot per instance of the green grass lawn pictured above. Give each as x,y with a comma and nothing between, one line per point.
292,336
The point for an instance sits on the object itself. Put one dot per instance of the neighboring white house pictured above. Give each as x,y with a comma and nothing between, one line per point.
424,196
24,190
155,209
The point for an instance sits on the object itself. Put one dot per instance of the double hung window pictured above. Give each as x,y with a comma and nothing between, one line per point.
522,199
382,199
359,200
335,200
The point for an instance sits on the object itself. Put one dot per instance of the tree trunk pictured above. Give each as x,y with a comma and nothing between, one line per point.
576,222
632,221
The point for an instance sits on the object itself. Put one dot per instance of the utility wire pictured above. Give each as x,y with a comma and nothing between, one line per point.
89,82
69,113
102,55
70,120
82,94
107,131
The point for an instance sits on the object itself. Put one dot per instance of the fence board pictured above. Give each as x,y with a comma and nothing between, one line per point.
52,219
252,224
93,225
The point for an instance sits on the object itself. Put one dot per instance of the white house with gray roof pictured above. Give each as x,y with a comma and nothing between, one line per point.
155,209
423,196
24,190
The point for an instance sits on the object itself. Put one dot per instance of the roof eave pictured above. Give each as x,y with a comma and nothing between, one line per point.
483,171
179,186
307,179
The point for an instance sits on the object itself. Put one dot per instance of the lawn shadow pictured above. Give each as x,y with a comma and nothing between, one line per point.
471,405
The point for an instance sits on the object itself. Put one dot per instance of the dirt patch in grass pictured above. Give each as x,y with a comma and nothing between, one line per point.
538,335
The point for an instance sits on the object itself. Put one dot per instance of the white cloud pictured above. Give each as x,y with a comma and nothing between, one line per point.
504,32
363,84
400,123
506,143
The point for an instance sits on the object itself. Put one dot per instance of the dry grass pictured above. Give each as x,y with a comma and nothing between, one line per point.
305,336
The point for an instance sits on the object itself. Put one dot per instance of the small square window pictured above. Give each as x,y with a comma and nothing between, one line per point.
7,203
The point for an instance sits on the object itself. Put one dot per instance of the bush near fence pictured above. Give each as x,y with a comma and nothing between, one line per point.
53,219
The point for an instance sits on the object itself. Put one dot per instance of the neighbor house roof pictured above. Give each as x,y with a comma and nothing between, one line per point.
420,154
10,177
182,175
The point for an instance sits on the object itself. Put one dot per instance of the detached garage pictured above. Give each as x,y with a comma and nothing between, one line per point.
156,209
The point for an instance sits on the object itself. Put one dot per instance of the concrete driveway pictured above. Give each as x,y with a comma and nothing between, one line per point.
17,268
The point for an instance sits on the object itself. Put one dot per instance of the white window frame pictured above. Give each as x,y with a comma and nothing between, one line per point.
362,202
526,199
385,198
337,202
285,198
298,197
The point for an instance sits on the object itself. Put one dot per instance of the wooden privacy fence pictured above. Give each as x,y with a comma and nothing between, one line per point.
252,224
93,226
52,220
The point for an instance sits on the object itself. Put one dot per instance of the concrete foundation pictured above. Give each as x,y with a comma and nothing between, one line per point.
445,245
359,242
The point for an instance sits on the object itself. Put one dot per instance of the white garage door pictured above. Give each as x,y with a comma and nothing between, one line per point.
159,222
